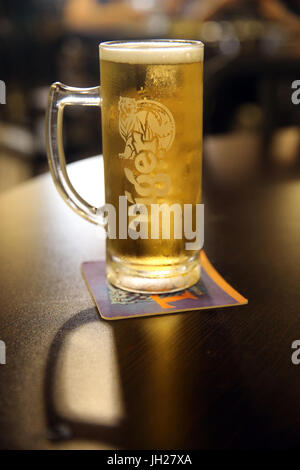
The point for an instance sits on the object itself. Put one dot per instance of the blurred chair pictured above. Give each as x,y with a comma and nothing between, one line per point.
262,83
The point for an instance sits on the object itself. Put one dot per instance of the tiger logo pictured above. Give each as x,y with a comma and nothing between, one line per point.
145,125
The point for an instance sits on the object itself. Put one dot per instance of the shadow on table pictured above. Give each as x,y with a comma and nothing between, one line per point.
181,385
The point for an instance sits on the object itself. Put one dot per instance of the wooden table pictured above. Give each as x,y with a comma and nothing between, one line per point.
211,379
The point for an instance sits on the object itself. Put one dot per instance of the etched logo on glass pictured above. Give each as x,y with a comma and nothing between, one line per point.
148,130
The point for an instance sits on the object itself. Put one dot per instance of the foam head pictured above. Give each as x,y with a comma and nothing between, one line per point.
152,52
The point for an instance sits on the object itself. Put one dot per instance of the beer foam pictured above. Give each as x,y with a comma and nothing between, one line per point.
152,52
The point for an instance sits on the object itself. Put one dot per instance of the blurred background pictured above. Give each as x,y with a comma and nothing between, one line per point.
252,56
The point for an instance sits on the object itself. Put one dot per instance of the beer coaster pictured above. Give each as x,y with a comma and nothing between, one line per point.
211,291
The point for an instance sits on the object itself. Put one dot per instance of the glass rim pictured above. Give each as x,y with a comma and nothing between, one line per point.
132,42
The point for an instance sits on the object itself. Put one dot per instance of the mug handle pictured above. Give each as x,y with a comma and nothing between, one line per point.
61,95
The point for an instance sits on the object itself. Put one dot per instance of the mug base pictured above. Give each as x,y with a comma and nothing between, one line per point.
157,281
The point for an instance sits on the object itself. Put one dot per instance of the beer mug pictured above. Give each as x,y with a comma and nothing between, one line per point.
151,104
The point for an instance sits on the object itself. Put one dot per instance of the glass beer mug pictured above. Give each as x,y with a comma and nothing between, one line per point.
151,104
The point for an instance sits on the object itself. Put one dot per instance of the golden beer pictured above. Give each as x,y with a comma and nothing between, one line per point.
151,103
152,147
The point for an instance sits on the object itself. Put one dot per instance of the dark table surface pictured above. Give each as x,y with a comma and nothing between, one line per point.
221,378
